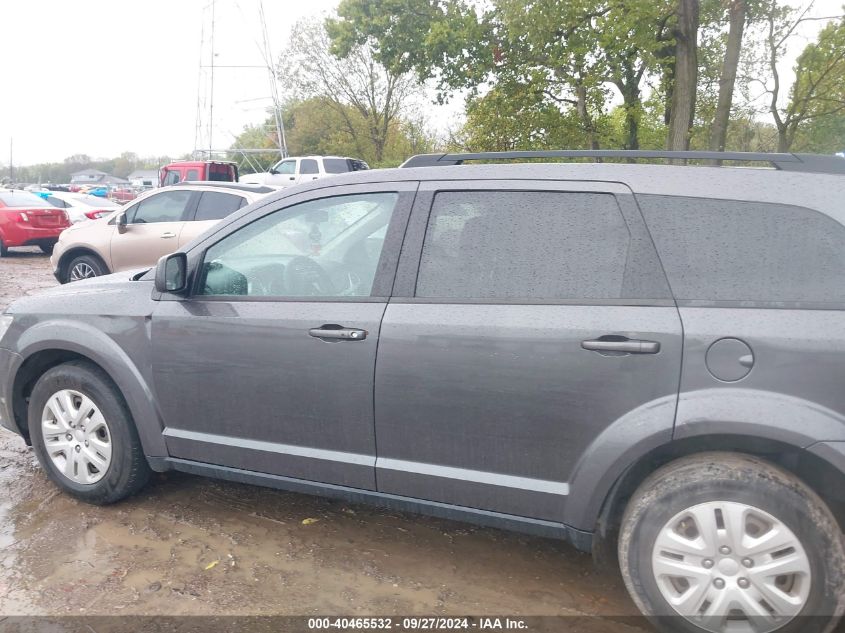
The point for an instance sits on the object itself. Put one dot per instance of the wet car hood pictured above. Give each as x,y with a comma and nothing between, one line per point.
123,292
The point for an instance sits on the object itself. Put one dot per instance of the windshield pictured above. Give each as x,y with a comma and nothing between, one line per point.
20,199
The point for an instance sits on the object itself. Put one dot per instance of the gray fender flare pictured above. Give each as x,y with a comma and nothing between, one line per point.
88,341
708,412
621,444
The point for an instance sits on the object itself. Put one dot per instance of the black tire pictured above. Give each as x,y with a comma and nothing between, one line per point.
733,477
94,263
4,250
128,470
47,249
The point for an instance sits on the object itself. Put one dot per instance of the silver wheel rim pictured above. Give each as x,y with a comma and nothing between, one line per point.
76,437
728,566
82,271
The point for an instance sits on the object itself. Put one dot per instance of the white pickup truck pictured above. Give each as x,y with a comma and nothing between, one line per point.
296,169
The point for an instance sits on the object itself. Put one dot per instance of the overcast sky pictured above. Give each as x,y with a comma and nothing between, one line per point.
101,77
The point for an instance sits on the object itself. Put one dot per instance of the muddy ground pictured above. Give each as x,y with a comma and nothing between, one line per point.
188,545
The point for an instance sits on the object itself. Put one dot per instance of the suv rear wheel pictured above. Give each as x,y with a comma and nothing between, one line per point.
728,542
83,434
84,267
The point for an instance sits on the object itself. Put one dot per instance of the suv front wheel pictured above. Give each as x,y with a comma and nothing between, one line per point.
728,542
84,436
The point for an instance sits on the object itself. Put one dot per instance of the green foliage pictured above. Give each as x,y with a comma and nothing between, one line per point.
315,126
817,98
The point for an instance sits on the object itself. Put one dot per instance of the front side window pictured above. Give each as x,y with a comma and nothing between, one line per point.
533,245
171,178
285,167
730,250
321,248
167,206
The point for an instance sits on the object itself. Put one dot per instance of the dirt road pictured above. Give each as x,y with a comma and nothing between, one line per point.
188,545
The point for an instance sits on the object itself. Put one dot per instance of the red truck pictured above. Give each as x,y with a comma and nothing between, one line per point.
197,170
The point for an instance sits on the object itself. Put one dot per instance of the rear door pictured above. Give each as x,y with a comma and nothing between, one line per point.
153,226
212,207
309,169
527,319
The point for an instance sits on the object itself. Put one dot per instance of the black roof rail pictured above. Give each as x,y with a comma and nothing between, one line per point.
808,163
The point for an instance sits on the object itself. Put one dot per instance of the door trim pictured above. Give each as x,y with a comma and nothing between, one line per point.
384,463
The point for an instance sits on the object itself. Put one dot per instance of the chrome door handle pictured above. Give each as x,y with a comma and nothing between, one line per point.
164,236
338,332
621,344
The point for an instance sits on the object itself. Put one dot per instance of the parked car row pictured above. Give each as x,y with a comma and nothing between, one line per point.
644,360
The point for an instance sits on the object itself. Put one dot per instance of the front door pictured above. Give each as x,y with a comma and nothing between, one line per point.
269,365
153,225
530,318
283,174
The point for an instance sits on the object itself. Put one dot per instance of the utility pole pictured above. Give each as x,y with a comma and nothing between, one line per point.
211,103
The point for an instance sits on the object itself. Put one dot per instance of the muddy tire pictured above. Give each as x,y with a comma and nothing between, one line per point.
84,267
84,436
725,533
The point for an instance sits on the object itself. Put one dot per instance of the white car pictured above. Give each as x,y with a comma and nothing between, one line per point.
80,206
296,169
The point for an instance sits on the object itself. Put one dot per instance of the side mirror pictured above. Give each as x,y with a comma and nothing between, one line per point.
273,171
172,273
121,222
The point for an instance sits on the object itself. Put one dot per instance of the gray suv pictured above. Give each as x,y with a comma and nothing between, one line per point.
645,360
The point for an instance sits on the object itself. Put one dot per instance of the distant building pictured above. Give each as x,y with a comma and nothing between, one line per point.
144,178
95,177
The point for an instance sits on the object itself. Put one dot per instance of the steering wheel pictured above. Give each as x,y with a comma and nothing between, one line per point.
306,278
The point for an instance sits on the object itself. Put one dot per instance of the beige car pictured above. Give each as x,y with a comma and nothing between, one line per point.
154,224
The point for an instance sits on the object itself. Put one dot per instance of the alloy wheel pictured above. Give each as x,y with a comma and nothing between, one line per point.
82,270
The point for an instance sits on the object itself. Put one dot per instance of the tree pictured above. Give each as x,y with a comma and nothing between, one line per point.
572,52
684,75
818,91
355,83
737,11
314,126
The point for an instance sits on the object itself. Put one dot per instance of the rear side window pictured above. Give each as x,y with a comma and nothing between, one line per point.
531,245
729,250
308,166
215,205
61,204
193,174
221,173
336,165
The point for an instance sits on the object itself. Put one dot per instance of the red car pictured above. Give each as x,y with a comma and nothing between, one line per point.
28,220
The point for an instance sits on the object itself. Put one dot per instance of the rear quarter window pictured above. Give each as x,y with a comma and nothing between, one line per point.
216,205
730,250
